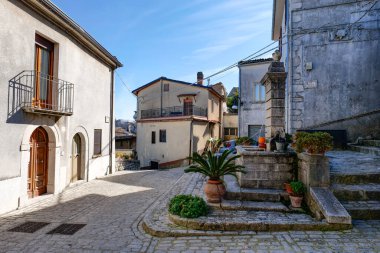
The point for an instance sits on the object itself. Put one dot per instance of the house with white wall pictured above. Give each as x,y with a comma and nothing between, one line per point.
56,120
175,119
251,106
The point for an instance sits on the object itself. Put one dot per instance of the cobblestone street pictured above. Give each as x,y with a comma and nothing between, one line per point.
112,209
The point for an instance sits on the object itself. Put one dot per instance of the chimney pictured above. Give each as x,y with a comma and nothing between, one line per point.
200,78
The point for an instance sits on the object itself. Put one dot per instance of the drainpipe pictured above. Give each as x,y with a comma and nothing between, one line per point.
191,140
111,121
290,69
239,99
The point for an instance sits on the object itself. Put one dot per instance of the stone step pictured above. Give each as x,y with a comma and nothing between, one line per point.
250,206
373,143
235,192
359,178
219,220
329,205
365,149
363,210
356,192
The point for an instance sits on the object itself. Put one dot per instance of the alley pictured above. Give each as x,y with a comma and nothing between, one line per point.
112,208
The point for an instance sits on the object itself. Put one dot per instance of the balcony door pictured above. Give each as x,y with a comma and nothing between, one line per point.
188,106
44,58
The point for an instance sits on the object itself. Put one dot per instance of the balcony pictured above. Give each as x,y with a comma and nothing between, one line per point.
174,111
35,92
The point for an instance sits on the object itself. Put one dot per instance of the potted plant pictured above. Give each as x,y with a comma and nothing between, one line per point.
280,140
215,167
298,190
313,143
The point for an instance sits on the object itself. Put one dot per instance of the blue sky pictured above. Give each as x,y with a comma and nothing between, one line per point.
173,38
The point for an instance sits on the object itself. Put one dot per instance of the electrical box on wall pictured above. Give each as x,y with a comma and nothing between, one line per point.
309,66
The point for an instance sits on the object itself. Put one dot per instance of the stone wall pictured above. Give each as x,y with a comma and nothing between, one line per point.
333,69
265,169
127,164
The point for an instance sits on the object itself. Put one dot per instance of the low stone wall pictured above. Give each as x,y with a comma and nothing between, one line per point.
314,170
265,169
127,165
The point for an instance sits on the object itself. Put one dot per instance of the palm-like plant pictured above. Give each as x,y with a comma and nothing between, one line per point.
214,166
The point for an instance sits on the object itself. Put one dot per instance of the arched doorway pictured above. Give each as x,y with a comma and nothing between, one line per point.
76,159
38,163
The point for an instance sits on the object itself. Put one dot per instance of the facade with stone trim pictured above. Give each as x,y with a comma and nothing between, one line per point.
332,63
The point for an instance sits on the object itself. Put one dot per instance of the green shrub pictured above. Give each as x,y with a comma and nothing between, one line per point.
313,143
188,206
298,188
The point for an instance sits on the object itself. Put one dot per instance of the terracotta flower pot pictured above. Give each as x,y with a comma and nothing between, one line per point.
296,201
214,190
288,188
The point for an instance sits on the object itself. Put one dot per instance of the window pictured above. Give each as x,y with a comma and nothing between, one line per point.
153,137
97,141
44,58
254,131
230,131
166,87
258,93
162,135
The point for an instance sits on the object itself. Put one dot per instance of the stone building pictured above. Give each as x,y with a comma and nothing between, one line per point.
176,118
251,107
331,54
52,131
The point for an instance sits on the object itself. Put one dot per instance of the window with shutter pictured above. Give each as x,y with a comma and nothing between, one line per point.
97,141
162,135
153,137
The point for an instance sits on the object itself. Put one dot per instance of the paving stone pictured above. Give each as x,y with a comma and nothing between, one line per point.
115,206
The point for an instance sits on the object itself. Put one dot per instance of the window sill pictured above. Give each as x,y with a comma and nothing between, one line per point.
96,156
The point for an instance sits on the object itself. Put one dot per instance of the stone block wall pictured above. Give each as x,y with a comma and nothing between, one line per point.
265,169
313,170
340,90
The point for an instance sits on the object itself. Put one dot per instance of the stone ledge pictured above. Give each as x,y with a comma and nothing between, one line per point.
255,221
332,209
237,205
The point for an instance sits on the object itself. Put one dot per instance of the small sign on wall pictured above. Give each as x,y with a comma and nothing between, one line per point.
107,119
311,84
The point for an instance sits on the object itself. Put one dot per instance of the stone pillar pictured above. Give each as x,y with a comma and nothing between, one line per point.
274,82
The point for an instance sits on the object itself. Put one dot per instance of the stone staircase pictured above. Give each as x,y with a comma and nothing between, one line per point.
355,180
366,146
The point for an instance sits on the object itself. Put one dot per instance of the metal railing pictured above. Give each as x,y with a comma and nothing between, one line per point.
36,92
173,111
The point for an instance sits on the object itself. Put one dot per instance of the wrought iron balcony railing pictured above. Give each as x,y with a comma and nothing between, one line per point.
36,92
174,111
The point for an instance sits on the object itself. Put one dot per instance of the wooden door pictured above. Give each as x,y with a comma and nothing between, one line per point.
38,163
44,58
76,159
188,107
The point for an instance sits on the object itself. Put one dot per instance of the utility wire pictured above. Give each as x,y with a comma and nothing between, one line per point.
125,85
250,57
